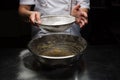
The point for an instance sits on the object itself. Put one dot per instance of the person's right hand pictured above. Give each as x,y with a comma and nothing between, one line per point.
34,18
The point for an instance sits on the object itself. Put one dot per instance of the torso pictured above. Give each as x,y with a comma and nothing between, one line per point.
54,7
57,7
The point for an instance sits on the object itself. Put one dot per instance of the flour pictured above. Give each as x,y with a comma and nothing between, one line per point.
63,20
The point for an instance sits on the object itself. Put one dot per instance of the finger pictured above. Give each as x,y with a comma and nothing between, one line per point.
37,16
32,19
76,7
84,19
79,22
82,23
84,14
36,24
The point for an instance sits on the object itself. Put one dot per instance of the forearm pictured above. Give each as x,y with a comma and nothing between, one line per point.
28,15
25,10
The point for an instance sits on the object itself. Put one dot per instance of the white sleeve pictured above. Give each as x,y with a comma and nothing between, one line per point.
27,2
84,3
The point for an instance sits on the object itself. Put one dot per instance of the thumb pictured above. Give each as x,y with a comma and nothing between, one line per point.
37,16
77,7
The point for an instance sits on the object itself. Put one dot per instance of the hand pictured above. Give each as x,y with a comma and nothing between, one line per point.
81,15
82,20
35,18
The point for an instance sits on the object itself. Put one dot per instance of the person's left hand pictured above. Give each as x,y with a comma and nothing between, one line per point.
80,14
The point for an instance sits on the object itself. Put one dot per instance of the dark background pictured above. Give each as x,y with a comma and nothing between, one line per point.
103,27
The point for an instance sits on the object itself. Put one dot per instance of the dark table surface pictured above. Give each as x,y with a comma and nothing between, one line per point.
99,62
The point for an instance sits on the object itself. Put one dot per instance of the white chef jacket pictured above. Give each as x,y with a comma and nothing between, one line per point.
57,7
